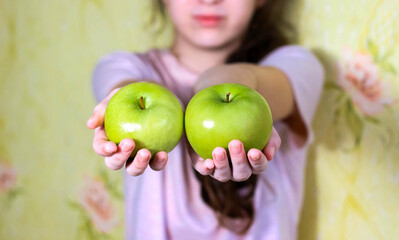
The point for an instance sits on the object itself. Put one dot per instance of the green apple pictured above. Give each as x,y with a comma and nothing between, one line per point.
147,113
221,113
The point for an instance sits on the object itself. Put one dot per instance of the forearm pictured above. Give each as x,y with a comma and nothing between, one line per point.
270,82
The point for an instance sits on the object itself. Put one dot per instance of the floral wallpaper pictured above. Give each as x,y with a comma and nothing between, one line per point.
8,185
352,178
96,205
53,185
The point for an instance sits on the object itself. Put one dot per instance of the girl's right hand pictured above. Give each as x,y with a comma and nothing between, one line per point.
116,156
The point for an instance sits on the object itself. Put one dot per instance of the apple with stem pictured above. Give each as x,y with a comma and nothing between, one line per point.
221,113
147,113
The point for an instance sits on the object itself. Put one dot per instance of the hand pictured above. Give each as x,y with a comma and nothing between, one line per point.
243,165
117,156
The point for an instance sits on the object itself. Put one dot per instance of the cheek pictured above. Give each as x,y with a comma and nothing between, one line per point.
239,27
179,12
241,14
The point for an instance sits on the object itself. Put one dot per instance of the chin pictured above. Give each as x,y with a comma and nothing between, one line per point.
212,42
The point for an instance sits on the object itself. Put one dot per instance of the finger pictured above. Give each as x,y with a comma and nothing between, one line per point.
101,144
159,161
97,119
257,160
222,168
118,159
273,145
204,167
240,165
140,162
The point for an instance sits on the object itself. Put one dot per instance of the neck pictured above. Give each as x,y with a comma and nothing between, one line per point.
199,59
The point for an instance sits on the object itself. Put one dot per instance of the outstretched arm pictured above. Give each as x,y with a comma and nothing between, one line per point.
274,86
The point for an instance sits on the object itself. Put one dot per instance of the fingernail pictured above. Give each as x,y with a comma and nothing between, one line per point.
255,156
90,122
141,155
161,159
208,164
219,154
236,148
126,146
108,148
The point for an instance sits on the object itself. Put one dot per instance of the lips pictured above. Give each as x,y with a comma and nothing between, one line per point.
209,20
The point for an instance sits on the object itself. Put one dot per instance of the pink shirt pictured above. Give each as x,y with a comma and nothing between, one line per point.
168,204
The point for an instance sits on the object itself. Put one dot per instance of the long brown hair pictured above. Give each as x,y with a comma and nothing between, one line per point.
269,29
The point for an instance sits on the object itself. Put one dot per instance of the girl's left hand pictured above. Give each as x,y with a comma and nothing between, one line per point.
243,165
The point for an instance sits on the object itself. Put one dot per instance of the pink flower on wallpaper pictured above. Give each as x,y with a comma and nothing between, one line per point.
8,177
359,76
97,202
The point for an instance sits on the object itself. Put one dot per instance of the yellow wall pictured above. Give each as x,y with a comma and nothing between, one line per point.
352,186
47,52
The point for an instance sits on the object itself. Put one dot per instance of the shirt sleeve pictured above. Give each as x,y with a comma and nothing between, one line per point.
306,76
115,68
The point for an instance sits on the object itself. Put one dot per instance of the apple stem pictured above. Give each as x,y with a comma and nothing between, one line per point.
142,103
228,97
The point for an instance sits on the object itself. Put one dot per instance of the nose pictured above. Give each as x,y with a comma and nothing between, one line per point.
211,1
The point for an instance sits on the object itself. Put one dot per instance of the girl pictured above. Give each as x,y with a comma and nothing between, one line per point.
234,195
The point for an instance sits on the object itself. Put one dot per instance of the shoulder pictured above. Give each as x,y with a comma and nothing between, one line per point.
293,52
136,65
129,57
306,76
297,62
118,66
147,62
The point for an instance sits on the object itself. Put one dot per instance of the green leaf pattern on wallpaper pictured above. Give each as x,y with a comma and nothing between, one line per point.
363,84
96,205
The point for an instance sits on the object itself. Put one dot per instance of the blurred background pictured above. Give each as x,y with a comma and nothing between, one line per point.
53,185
